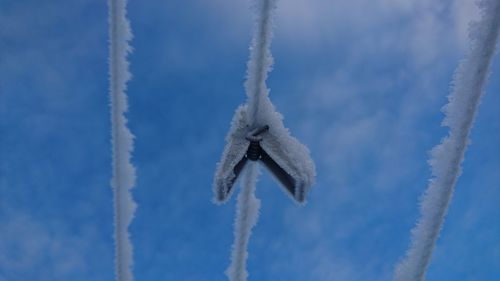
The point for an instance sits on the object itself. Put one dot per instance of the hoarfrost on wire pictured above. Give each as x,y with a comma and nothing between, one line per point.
121,138
447,157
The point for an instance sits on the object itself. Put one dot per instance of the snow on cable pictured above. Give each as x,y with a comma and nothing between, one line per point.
247,214
257,134
122,140
447,157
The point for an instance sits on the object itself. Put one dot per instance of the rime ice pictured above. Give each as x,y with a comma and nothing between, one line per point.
121,138
257,134
447,157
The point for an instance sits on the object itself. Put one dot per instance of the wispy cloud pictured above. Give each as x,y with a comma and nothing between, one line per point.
34,248
447,157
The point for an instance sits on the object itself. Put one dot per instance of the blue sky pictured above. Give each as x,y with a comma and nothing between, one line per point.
361,83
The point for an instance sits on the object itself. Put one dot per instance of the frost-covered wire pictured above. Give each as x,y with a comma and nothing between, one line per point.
121,138
260,62
447,157
248,206
247,215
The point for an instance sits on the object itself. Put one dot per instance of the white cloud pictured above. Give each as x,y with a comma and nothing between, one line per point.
420,28
464,12
32,250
